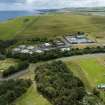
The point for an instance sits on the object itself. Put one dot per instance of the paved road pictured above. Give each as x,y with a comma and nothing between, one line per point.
15,75
82,56
63,59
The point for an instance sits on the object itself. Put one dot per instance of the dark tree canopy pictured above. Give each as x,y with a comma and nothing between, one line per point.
59,85
12,89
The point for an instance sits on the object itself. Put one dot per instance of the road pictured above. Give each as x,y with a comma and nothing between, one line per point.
82,56
63,59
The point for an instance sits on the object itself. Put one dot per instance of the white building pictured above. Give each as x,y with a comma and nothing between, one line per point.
65,49
22,46
59,43
25,51
39,51
30,47
101,86
78,39
16,49
72,40
47,44
30,52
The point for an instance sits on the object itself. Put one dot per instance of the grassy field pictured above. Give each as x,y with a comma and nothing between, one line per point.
32,96
4,64
52,25
90,70
9,29
80,67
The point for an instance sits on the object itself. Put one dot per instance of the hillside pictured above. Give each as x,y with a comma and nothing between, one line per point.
90,69
51,25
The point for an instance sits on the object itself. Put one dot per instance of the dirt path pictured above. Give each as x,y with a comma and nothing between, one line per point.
32,66
82,56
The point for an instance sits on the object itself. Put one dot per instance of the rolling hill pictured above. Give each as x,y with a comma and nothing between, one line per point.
51,25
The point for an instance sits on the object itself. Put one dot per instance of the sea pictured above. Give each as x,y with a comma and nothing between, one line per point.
6,15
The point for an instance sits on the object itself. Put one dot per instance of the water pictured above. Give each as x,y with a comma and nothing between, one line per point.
5,15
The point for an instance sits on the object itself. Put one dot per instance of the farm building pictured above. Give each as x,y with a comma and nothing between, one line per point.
65,49
39,51
59,43
16,50
22,46
78,39
22,49
30,47
101,86
45,45
25,51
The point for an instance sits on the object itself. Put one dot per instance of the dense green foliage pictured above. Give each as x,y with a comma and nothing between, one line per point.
7,43
32,97
55,53
12,89
59,85
13,69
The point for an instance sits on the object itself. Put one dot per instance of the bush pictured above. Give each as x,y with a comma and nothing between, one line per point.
12,89
12,69
59,85
96,92
55,53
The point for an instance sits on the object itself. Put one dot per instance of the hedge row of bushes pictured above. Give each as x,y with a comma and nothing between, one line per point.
13,69
56,53
12,89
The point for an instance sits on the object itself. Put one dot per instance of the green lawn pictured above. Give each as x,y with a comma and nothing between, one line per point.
90,70
32,97
52,25
9,29
79,73
4,64
95,71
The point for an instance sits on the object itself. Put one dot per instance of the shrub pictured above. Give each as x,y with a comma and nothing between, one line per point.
12,69
59,85
12,89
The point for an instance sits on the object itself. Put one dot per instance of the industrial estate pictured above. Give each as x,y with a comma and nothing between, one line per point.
63,43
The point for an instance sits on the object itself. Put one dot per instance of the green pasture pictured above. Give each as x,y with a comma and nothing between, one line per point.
32,97
52,25
90,70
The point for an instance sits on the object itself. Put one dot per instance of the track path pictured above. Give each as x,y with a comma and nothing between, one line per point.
19,74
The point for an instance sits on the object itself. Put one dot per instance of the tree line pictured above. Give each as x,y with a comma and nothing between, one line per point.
12,89
22,65
4,44
53,54
58,84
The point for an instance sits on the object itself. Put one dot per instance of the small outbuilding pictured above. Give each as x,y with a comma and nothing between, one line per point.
101,86
16,50
22,46
25,51
59,43
47,44
30,47
39,51
65,49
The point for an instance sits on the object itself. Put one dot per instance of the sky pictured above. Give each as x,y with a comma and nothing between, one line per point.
40,4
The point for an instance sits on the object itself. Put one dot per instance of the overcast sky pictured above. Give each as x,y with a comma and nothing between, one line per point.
38,4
